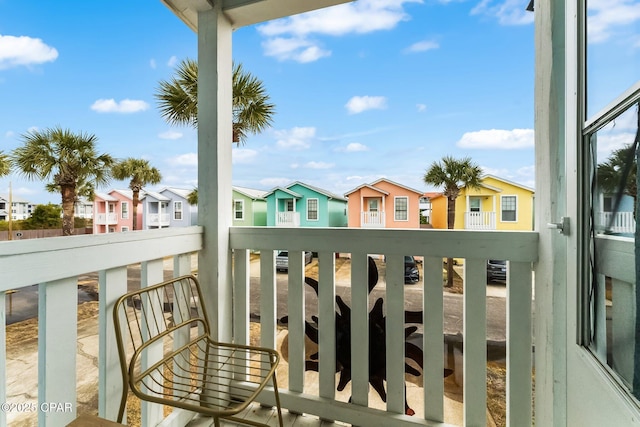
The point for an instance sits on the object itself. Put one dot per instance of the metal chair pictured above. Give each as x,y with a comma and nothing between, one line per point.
167,355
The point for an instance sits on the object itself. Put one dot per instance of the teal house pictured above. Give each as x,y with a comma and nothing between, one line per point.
249,207
302,205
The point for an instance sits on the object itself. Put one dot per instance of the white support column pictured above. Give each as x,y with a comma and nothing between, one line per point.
57,349
214,180
550,272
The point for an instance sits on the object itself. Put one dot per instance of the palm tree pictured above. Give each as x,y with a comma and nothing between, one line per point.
140,173
621,165
453,174
192,197
5,164
70,160
252,111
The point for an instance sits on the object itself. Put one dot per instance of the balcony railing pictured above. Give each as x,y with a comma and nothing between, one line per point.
620,222
372,219
480,220
288,219
106,218
158,220
110,255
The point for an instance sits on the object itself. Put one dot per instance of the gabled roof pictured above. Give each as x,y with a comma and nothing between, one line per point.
106,197
182,192
395,183
318,190
286,190
250,192
126,193
14,199
157,196
369,186
432,194
515,184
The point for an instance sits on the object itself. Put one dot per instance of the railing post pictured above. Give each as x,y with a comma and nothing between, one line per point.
3,357
57,349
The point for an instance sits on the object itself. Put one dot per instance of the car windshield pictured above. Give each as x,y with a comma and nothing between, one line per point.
283,253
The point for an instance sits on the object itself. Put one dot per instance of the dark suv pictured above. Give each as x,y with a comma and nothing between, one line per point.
411,273
496,270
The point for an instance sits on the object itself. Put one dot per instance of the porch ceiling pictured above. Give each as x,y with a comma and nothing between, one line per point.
246,12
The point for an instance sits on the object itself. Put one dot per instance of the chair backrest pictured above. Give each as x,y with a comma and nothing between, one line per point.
155,321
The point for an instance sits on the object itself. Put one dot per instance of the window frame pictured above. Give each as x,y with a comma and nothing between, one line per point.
124,210
396,211
177,203
502,210
317,210
236,211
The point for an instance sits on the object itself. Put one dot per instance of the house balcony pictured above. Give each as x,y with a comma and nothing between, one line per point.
288,219
372,219
106,218
620,222
480,220
57,378
158,220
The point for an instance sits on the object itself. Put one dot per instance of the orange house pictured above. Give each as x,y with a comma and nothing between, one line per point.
383,204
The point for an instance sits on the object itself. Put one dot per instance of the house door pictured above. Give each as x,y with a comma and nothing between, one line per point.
602,363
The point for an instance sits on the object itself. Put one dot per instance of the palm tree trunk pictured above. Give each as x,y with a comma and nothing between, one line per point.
451,219
68,199
134,211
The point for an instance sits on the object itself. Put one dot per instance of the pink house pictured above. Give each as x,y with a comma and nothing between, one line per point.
113,212
383,204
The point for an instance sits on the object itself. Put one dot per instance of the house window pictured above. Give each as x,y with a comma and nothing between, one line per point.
125,210
508,207
474,204
177,211
607,204
373,205
124,229
312,209
289,205
401,205
3,205
238,209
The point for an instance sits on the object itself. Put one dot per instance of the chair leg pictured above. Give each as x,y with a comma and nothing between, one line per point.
277,396
216,421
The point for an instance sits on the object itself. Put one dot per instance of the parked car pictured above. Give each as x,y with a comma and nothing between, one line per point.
282,260
411,273
496,270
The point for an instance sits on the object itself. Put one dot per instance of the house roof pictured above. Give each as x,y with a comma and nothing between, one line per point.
14,199
126,193
369,186
156,196
182,192
397,184
242,12
515,184
432,194
106,197
286,190
250,192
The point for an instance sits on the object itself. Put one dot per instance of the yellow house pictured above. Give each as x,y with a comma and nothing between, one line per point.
498,204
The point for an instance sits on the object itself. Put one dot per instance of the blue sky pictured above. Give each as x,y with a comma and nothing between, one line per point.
377,88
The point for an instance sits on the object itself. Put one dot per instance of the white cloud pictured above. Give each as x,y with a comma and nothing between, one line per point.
274,182
296,49
23,50
9,134
124,106
187,159
421,108
170,134
607,16
297,138
172,61
358,104
614,141
295,32
353,147
318,165
33,129
422,46
243,155
498,139
152,64
507,12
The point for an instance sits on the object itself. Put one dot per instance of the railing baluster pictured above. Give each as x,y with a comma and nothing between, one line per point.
395,334
267,299
152,273
112,284
241,283
475,343
295,309
359,328
327,323
57,349
519,343
433,342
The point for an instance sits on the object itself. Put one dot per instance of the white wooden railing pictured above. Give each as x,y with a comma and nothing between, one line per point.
480,220
154,219
288,219
106,218
56,264
372,219
520,248
623,222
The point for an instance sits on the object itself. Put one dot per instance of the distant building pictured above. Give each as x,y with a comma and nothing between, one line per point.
20,209
83,208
